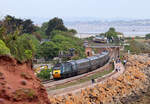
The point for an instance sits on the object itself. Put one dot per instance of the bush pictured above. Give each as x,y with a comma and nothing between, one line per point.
44,74
147,36
4,50
28,54
22,46
137,47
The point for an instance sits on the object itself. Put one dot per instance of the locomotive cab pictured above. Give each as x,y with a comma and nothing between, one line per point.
62,70
57,71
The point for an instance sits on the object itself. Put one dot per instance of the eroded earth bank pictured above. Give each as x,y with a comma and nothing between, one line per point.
18,84
126,89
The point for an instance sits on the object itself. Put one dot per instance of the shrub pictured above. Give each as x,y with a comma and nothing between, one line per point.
23,47
24,93
28,54
44,74
4,50
137,47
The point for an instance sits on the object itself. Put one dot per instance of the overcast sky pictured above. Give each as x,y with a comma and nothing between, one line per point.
103,9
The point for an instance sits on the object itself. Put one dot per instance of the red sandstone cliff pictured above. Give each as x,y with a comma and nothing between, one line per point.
18,84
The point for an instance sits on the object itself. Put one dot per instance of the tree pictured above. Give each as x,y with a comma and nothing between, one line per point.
28,26
55,24
21,47
111,34
147,36
112,29
49,50
73,31
44,26
61,41
40,31
12,24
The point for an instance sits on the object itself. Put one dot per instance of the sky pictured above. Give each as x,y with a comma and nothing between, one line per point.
100,9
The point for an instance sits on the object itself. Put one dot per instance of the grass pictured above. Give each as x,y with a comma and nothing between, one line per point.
85,79
24,93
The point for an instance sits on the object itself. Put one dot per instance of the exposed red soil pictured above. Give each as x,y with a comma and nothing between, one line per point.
18,84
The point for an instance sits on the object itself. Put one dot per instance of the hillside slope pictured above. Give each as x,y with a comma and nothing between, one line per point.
18,84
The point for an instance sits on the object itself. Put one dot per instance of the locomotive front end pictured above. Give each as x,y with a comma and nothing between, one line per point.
57,71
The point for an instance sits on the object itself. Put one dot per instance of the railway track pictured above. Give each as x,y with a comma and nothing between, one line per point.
52,83
49,81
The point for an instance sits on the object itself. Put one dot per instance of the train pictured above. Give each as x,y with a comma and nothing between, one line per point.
99,39
77,67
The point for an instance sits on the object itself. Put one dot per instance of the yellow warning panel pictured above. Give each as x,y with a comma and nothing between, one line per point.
56,74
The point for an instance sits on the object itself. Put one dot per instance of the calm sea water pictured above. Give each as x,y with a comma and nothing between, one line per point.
91,30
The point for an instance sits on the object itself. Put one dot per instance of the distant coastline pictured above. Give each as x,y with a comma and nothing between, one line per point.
126,34
128,28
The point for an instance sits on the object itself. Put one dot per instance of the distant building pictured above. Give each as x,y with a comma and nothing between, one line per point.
120,35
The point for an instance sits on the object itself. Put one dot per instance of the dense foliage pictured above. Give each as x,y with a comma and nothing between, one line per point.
112,35
55,24
11,24
26,41
4,50
42,30
137,47
49,50
44,74
61,41
22,47
147,36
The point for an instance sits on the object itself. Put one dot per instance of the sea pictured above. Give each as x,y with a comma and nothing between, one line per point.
92,30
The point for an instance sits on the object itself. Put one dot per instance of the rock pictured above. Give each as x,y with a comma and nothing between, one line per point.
23,82
2,101
26,75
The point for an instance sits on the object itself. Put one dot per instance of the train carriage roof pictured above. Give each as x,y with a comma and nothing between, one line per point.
105,53
92,58
89,58
82,60
100,55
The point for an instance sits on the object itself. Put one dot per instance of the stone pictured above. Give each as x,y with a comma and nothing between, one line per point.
23,82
